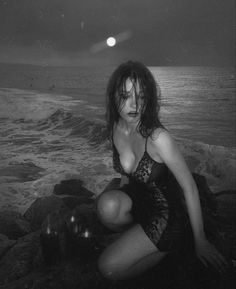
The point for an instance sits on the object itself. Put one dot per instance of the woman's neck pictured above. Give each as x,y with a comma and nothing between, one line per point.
126,127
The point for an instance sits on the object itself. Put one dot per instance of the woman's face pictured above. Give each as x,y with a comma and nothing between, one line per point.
132,98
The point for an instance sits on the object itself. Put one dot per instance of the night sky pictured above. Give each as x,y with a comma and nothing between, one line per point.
162,32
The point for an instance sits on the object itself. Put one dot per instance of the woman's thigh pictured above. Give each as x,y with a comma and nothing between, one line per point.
132,247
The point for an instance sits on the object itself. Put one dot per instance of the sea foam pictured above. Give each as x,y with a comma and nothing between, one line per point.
49,138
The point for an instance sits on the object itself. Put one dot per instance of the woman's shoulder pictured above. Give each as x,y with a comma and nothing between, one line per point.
164,144
162,138
158,133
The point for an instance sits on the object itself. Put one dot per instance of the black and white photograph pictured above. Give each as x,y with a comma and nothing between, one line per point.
117,144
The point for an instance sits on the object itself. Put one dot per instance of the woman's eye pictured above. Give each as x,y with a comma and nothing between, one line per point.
141,96
124,95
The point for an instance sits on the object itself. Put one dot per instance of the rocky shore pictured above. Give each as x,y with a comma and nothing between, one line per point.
56,242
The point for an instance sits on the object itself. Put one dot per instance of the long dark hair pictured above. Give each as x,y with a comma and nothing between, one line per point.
137,72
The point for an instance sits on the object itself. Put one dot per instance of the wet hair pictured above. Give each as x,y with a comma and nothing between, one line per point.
137,73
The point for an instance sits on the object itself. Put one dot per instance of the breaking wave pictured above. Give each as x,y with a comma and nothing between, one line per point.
49,138
93,130
217,163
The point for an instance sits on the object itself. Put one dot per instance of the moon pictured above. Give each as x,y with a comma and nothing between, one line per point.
111,41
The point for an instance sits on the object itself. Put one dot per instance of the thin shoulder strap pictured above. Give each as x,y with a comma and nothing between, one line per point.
112,141
156,136
146,144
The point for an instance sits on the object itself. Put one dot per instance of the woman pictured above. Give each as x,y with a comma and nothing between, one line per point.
147,207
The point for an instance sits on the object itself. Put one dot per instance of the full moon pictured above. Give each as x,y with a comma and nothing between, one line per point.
111,41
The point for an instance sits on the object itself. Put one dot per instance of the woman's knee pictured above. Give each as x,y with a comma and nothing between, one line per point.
108,206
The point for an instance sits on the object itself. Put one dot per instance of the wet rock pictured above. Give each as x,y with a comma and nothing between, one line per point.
13,225
207,198
22,264
72,187
192,162
5,244
39,210
226,208
20,259
64,276
23,171
27,282
226,204
72,202
113,184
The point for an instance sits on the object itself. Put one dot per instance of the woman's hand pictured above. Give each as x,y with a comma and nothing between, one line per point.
208,254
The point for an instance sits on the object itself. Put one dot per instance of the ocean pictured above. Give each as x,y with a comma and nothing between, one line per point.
52,126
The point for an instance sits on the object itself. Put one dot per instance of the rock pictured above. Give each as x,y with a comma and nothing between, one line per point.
113,184
22,265
207,198
5,244
226,208
226,204
32,280
13,225
20,259
64,276
72,187
39,210
72,202
22,171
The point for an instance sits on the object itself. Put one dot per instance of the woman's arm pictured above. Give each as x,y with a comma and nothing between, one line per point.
165,147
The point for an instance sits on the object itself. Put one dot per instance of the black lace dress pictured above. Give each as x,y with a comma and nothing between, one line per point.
157,202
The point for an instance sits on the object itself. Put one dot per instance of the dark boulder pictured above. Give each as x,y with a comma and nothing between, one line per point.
23,263
21,259
40,209
226,204
72,187
13,225
5,244
72,202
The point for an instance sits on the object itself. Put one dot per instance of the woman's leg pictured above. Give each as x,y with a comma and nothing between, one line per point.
130,255
113,209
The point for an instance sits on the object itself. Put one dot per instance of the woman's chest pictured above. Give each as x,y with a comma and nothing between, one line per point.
130,150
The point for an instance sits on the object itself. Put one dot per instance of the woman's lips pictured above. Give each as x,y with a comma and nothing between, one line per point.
133,114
